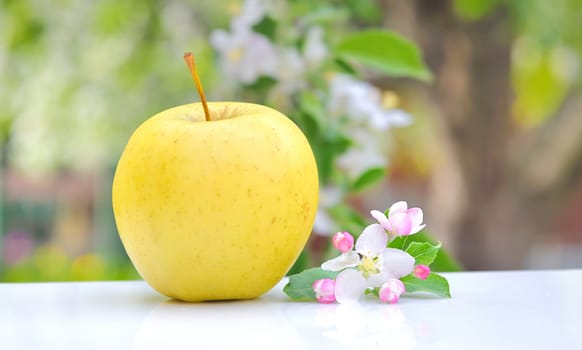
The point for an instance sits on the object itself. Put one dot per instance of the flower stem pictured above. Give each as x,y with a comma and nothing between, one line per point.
189,59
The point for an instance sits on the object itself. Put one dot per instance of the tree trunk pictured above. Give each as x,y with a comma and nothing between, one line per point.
471,63
492,194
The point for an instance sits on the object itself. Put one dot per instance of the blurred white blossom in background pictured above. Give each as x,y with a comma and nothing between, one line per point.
314,50
362,102
367,122
365,153
329,197
244,55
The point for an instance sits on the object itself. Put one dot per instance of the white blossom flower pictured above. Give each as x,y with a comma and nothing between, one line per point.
370,265
401,221
362,102
351,97
364,154
383,119
245,55
252,12
290,71
314,50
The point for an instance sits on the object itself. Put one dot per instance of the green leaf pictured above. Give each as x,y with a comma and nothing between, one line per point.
300,264
423,253
313,107
327,144
326,140
443,262
386,52
398,242
368,178
317,13
262,84
268,27
434,284
299,286
474,9
365,10
344,67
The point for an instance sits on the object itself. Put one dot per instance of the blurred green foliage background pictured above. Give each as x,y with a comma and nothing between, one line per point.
77,77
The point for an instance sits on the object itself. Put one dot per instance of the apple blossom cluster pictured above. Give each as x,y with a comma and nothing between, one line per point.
370,265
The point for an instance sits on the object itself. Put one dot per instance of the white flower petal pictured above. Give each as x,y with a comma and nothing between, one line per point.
416,229
400,224
399,118
252,12
349,286
372,241
378,279
398,207
357,160
314,49
343,261
290,70
396,262
220,40
381,218
416,216
379,120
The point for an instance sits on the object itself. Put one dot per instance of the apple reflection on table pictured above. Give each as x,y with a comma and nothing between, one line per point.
274,322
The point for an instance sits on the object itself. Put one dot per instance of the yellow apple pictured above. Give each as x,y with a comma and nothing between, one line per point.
219,207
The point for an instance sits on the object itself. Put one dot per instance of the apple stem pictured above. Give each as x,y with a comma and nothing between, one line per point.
189,59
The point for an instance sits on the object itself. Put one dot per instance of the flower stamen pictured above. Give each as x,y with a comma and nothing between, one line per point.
369,265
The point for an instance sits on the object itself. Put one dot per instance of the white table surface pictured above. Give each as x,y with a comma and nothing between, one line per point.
488,310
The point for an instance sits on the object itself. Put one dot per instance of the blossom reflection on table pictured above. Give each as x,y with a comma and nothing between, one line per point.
366,326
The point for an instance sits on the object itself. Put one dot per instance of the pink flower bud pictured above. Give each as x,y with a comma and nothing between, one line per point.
390,291
324,290
343,241
421,271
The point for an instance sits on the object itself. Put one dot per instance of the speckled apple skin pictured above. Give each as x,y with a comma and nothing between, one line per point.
215,210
